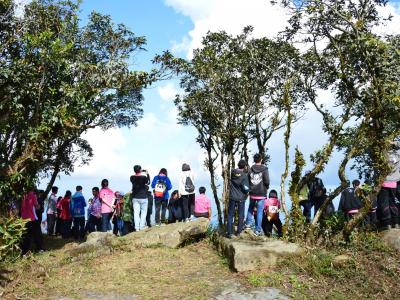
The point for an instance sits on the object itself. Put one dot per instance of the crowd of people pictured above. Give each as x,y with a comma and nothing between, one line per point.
72,216
263,210
132,211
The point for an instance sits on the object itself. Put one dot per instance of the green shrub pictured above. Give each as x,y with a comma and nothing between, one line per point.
11,232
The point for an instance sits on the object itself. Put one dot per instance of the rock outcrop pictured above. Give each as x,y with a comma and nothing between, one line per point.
172,235
245,254
392,238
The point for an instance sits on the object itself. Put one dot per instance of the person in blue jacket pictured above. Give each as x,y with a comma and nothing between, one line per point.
77,208
161,184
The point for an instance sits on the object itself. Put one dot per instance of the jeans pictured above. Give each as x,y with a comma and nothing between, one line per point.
175,214
231,213
161,205
260,207
118,226
140,212
307,205
79,227
105,221
51,221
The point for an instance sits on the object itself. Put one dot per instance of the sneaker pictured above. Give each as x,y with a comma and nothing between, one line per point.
396,226
228,236
157,225
247,226
192,218
163,224
258,233
187,220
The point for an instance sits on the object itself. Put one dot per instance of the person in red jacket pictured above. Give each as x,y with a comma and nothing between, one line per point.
65,215
29,206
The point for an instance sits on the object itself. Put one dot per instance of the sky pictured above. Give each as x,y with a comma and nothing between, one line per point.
158,141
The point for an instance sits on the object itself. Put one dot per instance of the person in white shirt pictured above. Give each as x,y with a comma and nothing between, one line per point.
187,191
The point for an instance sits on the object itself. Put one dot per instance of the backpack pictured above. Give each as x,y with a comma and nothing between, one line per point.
317,188
189,186
160,188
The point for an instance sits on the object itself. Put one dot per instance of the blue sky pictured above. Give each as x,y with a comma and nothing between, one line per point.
158,141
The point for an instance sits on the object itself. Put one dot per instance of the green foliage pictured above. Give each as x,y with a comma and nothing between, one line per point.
59,79
11,232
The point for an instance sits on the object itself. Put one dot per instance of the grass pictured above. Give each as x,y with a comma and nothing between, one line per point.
198,272
193,272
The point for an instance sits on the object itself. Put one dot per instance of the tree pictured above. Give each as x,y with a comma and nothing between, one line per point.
233,94
361,69
57,80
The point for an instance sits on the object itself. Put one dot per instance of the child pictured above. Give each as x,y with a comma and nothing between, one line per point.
202,205
118,223
271,214
175,208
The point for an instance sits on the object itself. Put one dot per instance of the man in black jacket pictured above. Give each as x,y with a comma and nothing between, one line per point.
239,187
259,184
350,203
140,182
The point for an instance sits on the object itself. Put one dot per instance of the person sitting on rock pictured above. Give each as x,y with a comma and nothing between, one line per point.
202,205
175,208
350,203
271,214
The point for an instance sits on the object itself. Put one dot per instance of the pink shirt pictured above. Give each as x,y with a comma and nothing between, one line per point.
28,206
107,197
272,202
202,204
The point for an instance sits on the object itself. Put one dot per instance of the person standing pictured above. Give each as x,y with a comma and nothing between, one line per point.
161,186
127,213
78,205
259,184
140,181
350,203
33,232
387,211
150,204
187,192
52,211
65,215
107,201
118,223
239,189
94,210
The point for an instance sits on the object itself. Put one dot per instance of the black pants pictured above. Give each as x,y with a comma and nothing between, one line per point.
51,222
66,228
149,212
33,232
387,211
94,224
175,214
188,205
79,227
268,225
317,202
128,228
161,206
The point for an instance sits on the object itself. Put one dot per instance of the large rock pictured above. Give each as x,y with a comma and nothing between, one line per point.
96,242
392,238
246,255
172,235
257,294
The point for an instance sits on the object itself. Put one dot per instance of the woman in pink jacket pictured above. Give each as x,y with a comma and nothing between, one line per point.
107,205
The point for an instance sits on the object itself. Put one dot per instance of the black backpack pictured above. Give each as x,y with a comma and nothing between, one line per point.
317,188
189,186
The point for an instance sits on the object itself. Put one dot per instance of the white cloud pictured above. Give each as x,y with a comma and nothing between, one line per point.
167,92
229,15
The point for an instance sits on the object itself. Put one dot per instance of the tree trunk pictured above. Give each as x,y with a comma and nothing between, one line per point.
211,170
52,180
226,178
